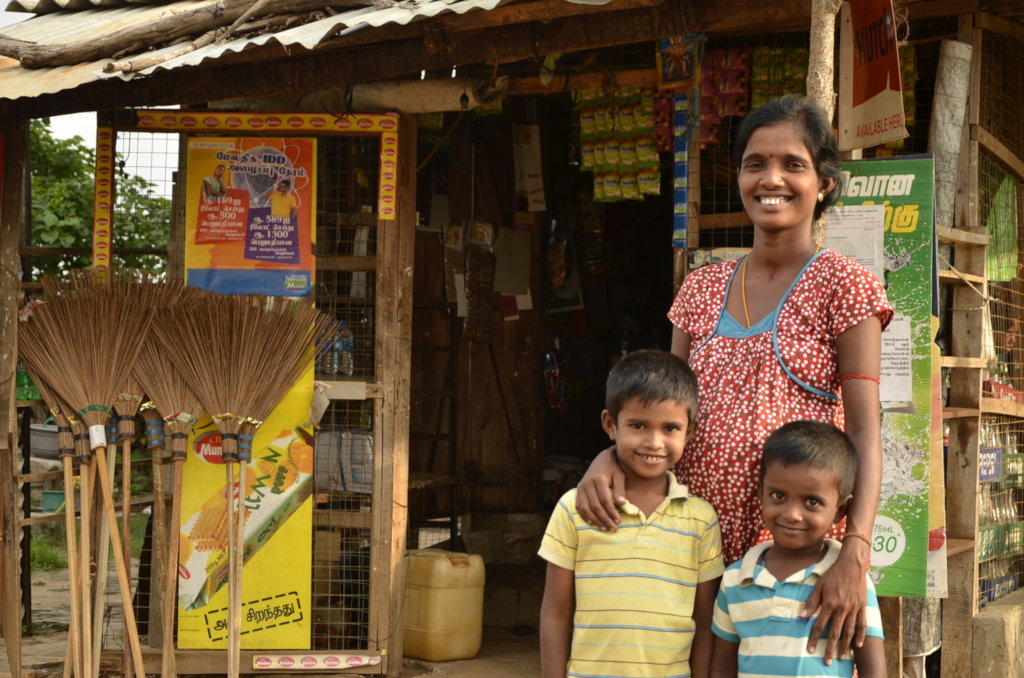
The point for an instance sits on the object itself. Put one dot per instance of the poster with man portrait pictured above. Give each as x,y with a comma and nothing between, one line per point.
250,215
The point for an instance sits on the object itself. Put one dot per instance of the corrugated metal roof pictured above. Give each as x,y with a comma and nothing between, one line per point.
68,27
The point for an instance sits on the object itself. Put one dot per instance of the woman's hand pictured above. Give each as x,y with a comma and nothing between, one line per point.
840,598
602,482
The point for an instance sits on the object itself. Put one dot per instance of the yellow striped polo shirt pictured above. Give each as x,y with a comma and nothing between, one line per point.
635,587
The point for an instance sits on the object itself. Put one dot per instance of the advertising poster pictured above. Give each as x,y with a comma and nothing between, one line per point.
870,94
277,570
907,513
249,213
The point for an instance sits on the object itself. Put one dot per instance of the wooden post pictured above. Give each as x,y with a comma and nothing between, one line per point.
396,241
961,606
13,183
821,72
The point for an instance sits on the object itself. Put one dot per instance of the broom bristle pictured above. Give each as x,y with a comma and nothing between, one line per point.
83,341
241,355
177,403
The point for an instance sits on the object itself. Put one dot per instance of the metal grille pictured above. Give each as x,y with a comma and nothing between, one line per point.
346,250
146,168
1001,508
342,517
1001,85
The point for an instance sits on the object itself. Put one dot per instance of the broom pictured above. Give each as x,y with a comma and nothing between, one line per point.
87,350
241,355
66,451
170,394
127,406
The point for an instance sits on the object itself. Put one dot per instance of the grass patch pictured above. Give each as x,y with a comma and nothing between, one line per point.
47,556
49,543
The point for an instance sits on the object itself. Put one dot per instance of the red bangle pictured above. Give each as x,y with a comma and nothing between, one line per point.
844,377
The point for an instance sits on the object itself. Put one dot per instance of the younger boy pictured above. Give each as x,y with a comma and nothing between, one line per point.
634,602
807,474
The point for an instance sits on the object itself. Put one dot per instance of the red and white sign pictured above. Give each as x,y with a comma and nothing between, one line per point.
870,93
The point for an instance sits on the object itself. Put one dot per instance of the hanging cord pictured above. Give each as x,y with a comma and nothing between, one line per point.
440,142
985,297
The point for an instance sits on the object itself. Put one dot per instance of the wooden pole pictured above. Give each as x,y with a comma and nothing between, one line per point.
119,564
821,72
13,199
945,131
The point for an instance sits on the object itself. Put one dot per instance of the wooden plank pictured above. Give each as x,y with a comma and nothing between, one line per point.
958,546
560,83
997,148
214,662
954,276
13,207
960,412
891,610
346,390
959,235
997,24
957,361
958,611
726,220
342,519
395,241
1006,408
335,262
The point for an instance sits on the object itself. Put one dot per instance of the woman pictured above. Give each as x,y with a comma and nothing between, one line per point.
791,331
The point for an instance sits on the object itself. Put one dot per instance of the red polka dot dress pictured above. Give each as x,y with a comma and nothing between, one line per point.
753,380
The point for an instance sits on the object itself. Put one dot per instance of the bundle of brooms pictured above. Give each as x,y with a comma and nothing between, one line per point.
82,342
241,355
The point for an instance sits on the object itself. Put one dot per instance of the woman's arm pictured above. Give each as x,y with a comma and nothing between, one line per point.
556,612
840,594
870,659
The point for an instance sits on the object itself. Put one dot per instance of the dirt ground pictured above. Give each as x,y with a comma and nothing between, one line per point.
503,654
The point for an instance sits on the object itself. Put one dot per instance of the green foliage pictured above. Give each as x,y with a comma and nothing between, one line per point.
48,552
62,205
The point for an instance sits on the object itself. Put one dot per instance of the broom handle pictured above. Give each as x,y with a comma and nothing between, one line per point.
233,588
87,471
119,564
126,530
168,666
236,574
75,639
99,605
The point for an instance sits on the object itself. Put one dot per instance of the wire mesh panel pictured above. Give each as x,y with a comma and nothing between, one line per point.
1000,508
146,167
343,482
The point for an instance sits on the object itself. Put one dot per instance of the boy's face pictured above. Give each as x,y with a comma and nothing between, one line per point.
800,503
649,438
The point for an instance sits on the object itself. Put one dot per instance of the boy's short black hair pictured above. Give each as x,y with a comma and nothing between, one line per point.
821,445
651,376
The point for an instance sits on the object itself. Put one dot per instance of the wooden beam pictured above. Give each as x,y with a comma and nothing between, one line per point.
997,148
560,83
725,220
997,24
958,361
959,235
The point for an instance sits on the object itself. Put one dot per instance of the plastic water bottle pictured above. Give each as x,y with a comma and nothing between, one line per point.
343,350
326,364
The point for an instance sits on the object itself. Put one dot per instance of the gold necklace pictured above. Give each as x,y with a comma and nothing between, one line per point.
743,286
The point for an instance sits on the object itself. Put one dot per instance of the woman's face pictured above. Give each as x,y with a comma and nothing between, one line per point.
778,182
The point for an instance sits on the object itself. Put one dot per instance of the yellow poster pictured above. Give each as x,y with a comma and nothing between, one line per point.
278,534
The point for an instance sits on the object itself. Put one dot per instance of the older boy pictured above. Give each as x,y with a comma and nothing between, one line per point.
636,602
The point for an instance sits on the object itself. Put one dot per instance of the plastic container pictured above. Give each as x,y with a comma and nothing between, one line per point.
444,605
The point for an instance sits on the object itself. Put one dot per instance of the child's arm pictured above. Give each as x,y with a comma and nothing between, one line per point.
556,612
724,662
703,609
870,658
